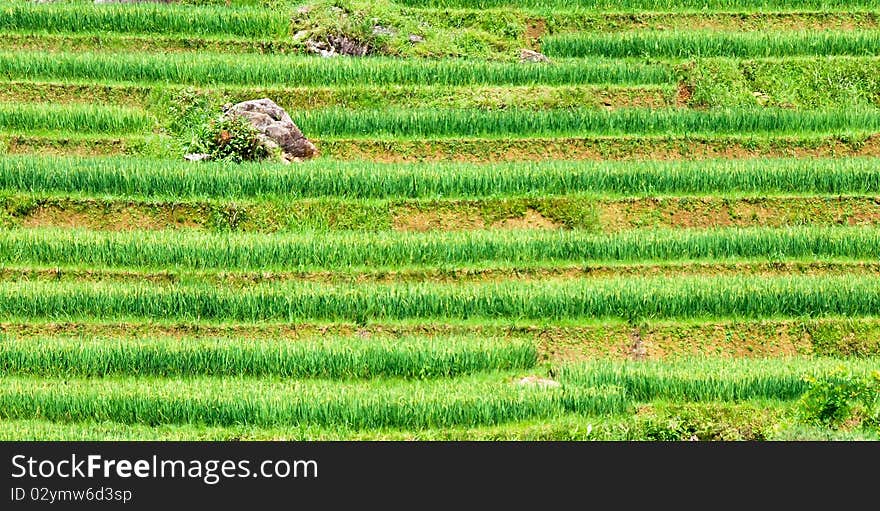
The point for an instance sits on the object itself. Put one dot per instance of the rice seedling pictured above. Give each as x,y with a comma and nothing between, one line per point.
622,298
567,427
143,177
335,122
144,19
271,252
484,400
272,70
710,379
712,44
38,117
336,357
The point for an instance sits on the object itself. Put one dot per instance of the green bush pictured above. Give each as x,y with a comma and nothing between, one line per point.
842,398
232,139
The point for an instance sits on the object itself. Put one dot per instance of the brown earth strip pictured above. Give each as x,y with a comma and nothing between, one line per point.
112,216
741,22
550,213
599,148
38,92
499,150
771,338
681,212
245,279
52,146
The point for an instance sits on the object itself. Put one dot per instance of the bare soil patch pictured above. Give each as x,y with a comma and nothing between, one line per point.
706,212
530,220
445,220
535,29
111,217
685,93
597,148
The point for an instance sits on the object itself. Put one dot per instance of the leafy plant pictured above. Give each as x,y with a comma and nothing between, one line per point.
187,109
232,139
841,397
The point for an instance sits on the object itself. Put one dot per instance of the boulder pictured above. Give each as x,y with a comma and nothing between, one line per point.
276,128
532,56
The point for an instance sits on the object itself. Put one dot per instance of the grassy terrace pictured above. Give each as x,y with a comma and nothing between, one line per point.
721,297
713,44
677,220
159,178
269,70
196,251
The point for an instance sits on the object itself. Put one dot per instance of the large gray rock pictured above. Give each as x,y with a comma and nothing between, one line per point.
275,126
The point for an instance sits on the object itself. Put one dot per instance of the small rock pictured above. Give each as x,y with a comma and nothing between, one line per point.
537,381
532,56
337,45
300,35
321,48
347,46
413,38
380,30
197,156
305,9
760,97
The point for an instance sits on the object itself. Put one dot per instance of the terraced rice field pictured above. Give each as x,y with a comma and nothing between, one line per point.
676,222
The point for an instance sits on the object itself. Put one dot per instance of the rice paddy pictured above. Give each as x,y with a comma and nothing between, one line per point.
670,230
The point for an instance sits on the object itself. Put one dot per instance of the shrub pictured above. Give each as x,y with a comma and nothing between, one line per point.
841,398
232,139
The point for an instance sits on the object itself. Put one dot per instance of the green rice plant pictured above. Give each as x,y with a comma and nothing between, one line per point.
271,252
271,70
144,19
680,44
339,123
709,379
38,117
137,177
625,298
472,401
564,427
337,357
